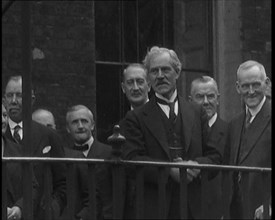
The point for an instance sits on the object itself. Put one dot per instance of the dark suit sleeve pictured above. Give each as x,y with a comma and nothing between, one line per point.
58,172
210,152
135,148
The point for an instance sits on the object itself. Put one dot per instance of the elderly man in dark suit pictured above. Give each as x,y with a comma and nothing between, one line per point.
250,139
80,126
14,174
168,122
45,143
204,91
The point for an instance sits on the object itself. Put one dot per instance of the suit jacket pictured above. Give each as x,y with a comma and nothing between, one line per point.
103,181
257,153
146,140
47,143
219,132
15,176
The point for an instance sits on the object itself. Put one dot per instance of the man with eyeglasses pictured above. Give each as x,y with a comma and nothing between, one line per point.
45,142
204,92
250,141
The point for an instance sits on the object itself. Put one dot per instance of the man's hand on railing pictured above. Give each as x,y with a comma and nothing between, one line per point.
191,172
14,213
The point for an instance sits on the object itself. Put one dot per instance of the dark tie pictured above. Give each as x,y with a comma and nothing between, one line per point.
247,119
81,147
172,115
16,135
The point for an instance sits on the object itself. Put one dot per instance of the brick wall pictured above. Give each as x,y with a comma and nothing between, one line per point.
256,31
62,50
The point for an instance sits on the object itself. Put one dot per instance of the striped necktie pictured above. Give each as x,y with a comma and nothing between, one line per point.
16,135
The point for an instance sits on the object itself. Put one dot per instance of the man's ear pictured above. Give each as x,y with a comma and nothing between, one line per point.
122,87
190,98
68,130
268,81
238,87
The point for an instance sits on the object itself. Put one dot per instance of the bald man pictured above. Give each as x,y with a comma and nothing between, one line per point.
44,117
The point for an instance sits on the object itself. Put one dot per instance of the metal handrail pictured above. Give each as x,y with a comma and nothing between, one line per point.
135,162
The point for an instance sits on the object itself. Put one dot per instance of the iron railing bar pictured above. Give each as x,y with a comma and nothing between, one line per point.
4,191
183,194
225,183
245,192
204,184
142,163
161,193
117,191
92,191
70,191
47,192
140,192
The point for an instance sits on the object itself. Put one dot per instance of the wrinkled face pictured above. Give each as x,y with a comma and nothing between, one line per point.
251,85
162,75
205,94
13,99
44,118
4,119
80,125
135,86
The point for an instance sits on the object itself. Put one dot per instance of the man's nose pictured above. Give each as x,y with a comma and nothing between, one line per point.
205,99
14,98
251,89
135,86
80,125
160,73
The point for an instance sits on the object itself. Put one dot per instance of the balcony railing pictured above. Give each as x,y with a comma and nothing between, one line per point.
118,166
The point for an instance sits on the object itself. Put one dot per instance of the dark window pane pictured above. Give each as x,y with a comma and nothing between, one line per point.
107,30
108,94
130,31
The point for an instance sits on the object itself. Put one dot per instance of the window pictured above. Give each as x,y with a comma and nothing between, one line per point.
125,30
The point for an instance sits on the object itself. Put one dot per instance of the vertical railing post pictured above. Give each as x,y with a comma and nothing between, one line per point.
70,191
4,190
139,193
245,188
162,193
204,186
183,193
117,140
26,107
92,191
226,191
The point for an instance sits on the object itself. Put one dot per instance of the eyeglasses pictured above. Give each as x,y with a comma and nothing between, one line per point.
10,95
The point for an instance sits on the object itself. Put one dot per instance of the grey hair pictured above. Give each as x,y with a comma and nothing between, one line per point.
203,79
137,65
79,107
155,50
249,64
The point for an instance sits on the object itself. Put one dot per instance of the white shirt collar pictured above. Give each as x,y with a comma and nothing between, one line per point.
166,108
212,120
255,110
172,98
12,125
89,142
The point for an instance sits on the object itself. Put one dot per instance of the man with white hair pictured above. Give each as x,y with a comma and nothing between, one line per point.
250,140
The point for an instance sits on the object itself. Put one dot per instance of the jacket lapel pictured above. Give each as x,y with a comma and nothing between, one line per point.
256,128
237,136
187,122
154,123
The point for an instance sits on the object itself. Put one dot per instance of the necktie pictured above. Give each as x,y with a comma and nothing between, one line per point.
16,135
247,119
81,147
172,115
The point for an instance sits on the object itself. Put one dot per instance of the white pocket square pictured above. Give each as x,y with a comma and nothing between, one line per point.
46,149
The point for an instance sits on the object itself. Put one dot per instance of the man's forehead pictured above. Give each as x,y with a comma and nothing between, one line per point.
14,85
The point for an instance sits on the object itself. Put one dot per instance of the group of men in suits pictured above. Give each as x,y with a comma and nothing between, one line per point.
203,136
153,129
46,142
